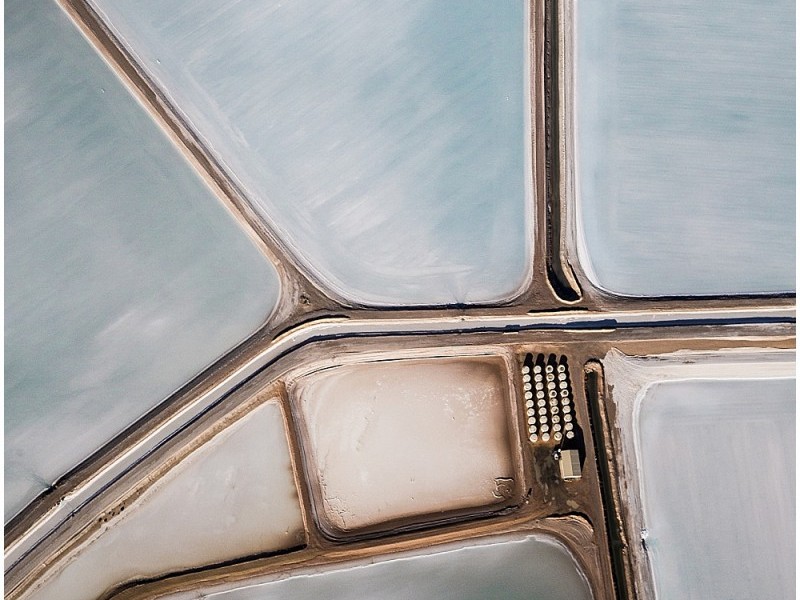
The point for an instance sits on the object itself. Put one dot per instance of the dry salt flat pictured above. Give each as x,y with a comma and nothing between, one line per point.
404,438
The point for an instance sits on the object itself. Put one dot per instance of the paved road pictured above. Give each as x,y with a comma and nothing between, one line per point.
344,328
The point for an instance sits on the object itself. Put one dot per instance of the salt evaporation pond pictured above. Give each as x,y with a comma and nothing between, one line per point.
405,438
233,497
707,452
125,276
503,568
387,141
685,141
718,473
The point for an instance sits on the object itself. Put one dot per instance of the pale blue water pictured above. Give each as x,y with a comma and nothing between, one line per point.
686,145
718,467
386,139
125,276
510,568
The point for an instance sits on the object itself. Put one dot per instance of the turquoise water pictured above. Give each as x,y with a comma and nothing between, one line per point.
506,568
386,140
718,472
686,145
125,276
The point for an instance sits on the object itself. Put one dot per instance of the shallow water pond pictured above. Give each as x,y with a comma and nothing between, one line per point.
505,568
125,276
387,141
685,125
718,473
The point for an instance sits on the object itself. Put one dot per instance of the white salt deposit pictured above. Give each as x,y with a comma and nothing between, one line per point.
709,454
233,497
